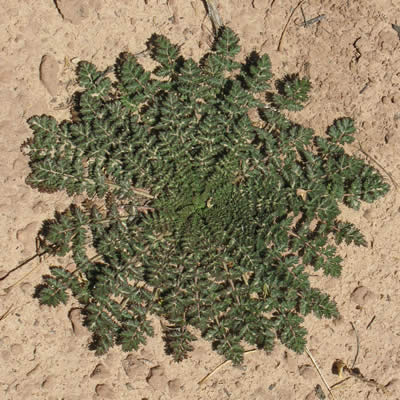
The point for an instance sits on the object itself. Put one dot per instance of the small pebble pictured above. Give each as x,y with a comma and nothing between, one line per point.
100,372
157,379
362,296
50,382
49,74
104,391
75,317
307,372
74,11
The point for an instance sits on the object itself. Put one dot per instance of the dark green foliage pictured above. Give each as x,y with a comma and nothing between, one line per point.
194,212
293,92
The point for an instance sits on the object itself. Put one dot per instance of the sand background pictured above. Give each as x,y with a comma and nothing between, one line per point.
353,60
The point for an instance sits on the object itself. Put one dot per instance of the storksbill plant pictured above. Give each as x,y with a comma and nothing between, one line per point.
194,211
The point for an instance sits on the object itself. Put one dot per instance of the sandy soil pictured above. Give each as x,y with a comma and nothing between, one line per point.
353,60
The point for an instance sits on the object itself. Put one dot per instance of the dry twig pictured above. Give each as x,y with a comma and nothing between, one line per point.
22,264
287,23
5,315
358,346
319,372
201,381
213,13
7,289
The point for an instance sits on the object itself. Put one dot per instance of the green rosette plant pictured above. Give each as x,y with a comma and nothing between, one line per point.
193,211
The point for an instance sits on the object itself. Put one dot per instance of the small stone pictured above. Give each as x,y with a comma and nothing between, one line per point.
104,391
157,379
369,214
389,137
396,98
40,207
393,386
100,372
26,287
48,72
174,386
388,40
27,235
134,368
19,165
75,317
74,11
307,372
362,296
49,383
